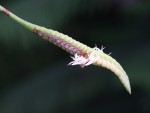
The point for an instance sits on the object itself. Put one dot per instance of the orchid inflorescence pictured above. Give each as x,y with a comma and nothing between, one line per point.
83,55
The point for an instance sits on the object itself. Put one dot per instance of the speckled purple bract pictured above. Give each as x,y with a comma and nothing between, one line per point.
59,42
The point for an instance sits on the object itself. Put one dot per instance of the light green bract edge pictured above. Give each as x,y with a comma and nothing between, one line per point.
104,60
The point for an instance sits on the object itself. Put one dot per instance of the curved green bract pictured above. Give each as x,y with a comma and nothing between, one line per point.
104,60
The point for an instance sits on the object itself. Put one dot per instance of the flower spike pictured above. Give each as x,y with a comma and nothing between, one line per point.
83,55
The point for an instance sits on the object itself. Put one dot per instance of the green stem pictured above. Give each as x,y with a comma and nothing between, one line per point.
26,24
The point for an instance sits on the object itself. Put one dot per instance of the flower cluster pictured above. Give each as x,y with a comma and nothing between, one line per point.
91,58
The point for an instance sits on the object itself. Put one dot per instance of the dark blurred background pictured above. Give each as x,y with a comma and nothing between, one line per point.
35,78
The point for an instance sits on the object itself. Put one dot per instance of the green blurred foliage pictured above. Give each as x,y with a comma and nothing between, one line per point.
34,76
